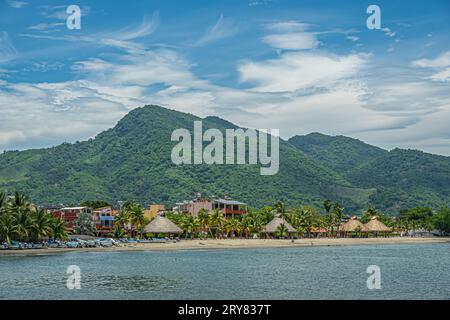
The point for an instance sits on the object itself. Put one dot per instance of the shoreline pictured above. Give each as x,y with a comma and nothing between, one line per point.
230,244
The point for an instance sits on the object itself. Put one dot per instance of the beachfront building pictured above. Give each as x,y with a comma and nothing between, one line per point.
194,206
353,226
276,225
153,210
162,225
70,214
103,219
229,208
318,232
377,227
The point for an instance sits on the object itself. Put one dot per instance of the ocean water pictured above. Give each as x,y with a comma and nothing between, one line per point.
407,272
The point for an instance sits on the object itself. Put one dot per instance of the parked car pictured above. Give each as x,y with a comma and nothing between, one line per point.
90,244
73,244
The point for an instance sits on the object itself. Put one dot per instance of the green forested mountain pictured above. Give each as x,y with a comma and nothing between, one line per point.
339,153
132,162
398,178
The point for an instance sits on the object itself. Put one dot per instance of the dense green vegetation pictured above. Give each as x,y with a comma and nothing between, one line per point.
20,220
305,219
132,161
398,179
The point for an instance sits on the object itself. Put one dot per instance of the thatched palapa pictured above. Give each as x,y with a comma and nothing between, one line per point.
353,225
161,224
273,225
376,225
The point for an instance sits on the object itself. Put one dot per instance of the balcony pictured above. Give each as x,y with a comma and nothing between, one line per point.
231,211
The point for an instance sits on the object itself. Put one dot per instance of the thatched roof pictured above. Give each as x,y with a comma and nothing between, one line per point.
353,225
162,225
273,225
376,225
318,230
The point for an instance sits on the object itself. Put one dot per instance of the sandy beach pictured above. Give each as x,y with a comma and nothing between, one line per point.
233,244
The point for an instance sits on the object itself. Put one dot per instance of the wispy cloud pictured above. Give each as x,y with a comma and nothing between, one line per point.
388,32
123,38
7,50
223,28
59,11
17,4
440,65
45,26
291,35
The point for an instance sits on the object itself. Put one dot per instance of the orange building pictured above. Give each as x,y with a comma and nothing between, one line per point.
153,210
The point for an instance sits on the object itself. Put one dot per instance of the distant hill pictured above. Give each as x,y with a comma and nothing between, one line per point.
399,178
339,153
132,162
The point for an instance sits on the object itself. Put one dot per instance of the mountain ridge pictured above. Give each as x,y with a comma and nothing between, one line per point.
131,161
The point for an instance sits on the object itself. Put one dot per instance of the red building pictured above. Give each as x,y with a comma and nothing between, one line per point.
70,215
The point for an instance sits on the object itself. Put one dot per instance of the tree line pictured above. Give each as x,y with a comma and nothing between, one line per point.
22,221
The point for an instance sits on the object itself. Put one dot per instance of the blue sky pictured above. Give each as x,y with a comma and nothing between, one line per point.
297,66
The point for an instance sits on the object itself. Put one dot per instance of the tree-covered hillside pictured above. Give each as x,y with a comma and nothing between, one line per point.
398,178
132,161
342,154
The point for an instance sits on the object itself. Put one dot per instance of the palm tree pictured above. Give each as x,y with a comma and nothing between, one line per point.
19,201
231,225
8,227
203,218
122,219
118,232
58,228
189,225
338,214
216,221
41,224
137,217
247,225
328,204
280,210
3,203
23,222
282,230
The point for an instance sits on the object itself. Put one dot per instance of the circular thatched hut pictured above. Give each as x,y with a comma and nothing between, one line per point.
375,225
274,225
353,225
161,224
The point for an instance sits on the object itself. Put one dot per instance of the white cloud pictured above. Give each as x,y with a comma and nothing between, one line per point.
298,92
300,70
443,60
59,11
122,39
46,26
388,32
440,65
443,75
17,4
291,35
7,50
353,38
221,29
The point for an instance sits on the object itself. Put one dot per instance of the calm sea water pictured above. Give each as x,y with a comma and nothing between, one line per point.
407,272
